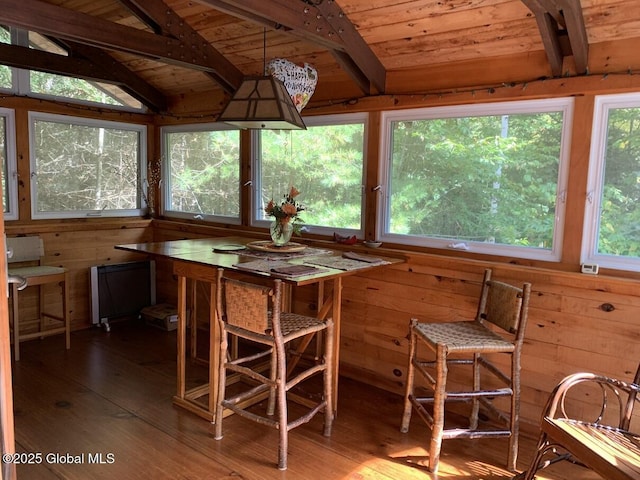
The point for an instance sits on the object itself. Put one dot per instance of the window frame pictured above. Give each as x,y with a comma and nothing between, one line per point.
564,105
314,121
88,122
595,183
11,210
166,173
21,81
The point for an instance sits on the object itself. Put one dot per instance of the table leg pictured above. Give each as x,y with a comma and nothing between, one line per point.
330,303
336,309
181,335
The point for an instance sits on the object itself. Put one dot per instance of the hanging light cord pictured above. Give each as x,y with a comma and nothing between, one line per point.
264,51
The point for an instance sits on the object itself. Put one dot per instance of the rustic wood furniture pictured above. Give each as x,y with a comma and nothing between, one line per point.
606,445
199,259
26,253
501,307
255,313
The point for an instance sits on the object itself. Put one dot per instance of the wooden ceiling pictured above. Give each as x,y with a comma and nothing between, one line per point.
162,51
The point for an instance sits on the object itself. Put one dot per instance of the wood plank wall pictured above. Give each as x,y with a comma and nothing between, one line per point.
77,247
577,322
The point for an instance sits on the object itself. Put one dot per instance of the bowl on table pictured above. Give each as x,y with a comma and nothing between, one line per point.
371,244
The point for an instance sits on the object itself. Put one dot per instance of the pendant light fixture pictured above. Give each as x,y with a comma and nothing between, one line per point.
262,103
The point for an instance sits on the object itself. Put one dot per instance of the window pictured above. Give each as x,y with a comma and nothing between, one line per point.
6,80
202,165
612,214
42,84
487,178
325,162
9,166
82,167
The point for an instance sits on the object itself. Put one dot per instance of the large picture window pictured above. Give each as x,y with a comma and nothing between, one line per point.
325,163
82,167
202,172
612,214
484,178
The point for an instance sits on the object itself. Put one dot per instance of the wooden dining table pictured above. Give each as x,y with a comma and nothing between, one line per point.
198,260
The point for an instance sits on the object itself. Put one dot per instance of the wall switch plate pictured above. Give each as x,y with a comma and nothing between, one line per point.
591,268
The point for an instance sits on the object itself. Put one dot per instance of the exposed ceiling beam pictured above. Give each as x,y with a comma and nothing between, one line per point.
160,17
107,71
63,23
321,23
121,75
558,20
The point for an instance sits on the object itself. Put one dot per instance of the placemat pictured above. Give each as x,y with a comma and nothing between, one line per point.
307,252
341,263
279,268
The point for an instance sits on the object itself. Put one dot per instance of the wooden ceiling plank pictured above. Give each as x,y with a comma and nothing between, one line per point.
169,23
324,24
292,17
63,23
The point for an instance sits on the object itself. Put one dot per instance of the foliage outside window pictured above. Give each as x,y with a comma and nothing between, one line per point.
8,152
82,167
6,82
325,163
612,214
202,172
483,178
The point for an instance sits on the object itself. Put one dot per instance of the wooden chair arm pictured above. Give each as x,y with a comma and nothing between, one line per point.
626,394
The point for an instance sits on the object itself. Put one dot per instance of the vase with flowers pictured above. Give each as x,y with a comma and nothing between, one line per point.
286,217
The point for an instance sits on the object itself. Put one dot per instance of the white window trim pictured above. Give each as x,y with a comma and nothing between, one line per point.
595,183
315,121
564,105
166,181
142,165
12,164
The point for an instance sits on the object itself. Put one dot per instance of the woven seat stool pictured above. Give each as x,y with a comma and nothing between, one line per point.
254,312
498,328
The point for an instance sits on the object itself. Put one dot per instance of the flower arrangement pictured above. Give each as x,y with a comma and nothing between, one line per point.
286,211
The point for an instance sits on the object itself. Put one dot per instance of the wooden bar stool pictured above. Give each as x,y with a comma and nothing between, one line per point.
502,308
27,252
254,313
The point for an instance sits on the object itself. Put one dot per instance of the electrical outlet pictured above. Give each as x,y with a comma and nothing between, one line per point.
591,268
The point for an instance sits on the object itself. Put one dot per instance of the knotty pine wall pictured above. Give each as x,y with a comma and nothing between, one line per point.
576,321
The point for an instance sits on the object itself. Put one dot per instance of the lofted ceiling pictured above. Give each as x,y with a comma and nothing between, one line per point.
163,50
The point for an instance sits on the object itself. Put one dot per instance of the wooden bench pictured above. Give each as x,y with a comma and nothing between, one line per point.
609,448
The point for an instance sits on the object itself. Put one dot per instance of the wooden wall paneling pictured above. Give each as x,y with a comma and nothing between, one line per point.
372,192
23,161
77,248
576,193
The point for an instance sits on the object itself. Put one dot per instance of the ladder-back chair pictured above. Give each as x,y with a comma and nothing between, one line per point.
502,308
24,258
254,313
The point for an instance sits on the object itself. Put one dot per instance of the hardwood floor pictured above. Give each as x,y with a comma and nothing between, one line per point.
103,410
